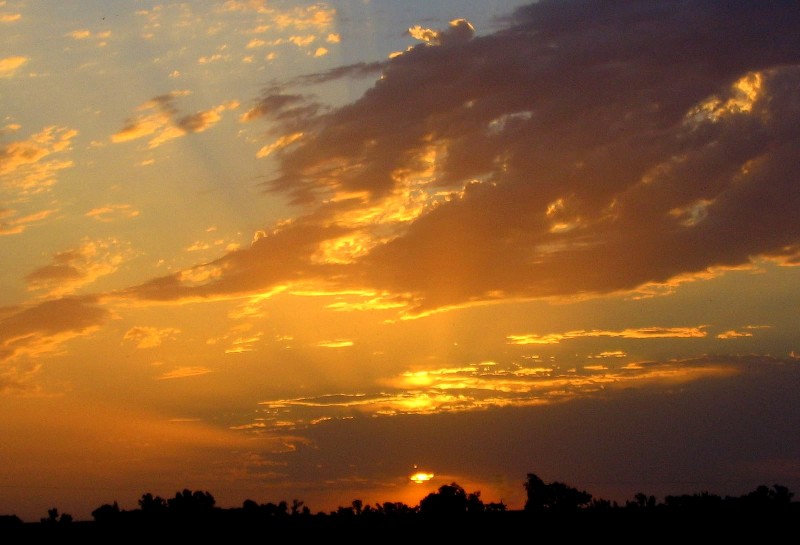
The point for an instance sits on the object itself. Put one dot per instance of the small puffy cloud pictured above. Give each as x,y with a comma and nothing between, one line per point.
302,41
80,34
317,16
29,169
99,38
460,30
10,65
36,150
150,337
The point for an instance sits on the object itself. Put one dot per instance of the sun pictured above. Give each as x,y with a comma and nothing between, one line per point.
420,477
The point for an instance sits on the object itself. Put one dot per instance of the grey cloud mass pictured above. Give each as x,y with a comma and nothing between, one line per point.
587,148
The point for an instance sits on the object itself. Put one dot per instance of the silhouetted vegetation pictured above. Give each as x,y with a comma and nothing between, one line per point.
451,512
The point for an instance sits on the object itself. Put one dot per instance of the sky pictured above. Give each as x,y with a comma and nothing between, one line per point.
280,250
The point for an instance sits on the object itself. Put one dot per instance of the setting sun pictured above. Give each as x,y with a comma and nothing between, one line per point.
421,477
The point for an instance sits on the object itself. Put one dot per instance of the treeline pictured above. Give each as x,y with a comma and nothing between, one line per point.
552,507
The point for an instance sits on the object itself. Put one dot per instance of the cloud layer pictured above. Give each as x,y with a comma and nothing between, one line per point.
572,153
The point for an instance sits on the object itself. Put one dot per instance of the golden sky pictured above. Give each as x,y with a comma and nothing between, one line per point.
304,250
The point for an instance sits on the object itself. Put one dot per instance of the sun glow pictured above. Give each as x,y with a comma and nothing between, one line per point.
420,477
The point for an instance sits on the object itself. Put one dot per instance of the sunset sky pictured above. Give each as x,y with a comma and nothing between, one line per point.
280,250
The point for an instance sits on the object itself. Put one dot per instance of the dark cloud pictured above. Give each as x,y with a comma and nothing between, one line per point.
361,69
273,104
589,148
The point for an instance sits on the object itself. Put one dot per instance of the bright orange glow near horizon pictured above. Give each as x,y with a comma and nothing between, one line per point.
283,250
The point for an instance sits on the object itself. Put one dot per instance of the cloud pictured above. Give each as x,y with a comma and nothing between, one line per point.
9,225
9,65
112,212
10,17
28,171
630,333
460,30
336,343
150,337
733,334
34,330
162,121
571,154
319,17
488,385
27,165
73,269
184,372
82,34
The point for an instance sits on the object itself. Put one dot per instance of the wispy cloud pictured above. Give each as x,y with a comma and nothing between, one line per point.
34,330
112,212
184,372
12,225
629,333
486,385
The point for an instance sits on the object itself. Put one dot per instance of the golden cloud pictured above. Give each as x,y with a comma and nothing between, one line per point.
9,65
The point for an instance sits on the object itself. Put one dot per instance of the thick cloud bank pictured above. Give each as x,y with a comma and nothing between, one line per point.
585,148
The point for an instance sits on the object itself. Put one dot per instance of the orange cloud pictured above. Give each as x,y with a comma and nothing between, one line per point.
112,212
184,372
150,337
478,387
34,330
629,333
10,65
72,269
9,225
162,122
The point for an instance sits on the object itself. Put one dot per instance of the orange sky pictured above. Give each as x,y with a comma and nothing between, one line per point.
295,250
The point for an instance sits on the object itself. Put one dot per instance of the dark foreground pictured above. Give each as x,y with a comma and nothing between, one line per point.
619,525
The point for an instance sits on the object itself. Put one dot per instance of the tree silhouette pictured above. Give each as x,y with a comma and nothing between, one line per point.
555,496
188,502
106,514
450,513
451,499
152,505
54,518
